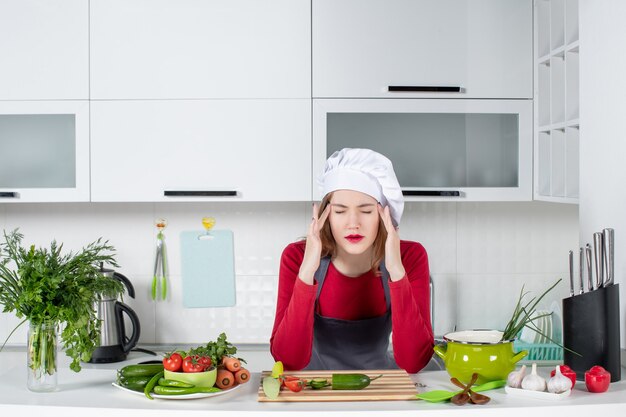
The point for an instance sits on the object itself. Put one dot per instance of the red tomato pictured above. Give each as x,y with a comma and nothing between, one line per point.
597,379
568,372
191,364
294,384
173,362
205,360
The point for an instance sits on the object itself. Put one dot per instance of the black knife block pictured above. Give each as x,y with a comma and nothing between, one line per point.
591,328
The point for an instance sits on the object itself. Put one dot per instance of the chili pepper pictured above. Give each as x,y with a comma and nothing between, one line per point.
174,383
151,384
161,390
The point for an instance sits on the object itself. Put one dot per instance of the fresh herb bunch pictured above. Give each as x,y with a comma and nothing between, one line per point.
216,350
523,315
46,286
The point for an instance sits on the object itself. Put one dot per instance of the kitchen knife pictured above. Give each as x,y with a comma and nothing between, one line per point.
571,273
581,269
598,247
589,267
609,255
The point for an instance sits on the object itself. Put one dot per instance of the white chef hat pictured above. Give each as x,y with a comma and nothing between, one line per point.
365,171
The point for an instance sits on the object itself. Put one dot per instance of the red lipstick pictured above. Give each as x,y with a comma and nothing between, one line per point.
354,238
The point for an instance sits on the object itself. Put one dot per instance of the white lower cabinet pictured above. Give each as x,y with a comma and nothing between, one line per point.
201,150
44,151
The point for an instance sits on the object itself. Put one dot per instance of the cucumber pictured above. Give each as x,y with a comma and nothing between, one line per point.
318,383
351,381
135,383
140,370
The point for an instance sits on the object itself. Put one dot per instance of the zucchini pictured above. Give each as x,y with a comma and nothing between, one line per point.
351,381
140,370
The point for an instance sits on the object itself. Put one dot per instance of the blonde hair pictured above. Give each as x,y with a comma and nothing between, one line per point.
329,246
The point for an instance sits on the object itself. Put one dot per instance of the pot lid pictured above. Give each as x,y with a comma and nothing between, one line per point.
481,337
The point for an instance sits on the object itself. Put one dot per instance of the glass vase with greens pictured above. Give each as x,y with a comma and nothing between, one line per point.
55,291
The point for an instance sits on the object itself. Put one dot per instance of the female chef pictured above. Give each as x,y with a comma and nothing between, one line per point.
353,282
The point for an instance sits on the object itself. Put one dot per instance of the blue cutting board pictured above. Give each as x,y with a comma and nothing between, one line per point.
208,269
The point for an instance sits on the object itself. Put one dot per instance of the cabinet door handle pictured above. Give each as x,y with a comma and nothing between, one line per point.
201,193
8,194
425,88
431,193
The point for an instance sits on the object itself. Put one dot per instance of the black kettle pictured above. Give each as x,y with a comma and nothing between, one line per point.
114,344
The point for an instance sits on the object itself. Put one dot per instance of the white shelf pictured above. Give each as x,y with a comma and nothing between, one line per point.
557,96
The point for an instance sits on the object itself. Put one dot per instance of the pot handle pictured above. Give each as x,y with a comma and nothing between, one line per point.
519,356
121,308
440,351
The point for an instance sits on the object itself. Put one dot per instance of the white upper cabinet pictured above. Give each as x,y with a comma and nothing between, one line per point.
44,49
44,151
201,150
483,48
189,49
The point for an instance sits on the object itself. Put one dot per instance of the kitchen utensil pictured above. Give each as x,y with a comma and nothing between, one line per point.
199,379
437,396
159,279
394,385
581,269
537,395
571,273
609,255
589,267
178,397
598,247
557,323
474,397
463,396
591,331
208,268
114,343
478,351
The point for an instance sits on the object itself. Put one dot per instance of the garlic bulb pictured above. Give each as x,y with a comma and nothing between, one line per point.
514,380
533,381
559,383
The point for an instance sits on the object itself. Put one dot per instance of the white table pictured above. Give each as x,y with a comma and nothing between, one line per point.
89,393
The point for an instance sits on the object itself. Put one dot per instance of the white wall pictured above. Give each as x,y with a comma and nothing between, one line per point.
602,139
480,255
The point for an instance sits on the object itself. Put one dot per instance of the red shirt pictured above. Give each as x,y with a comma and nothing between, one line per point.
352,298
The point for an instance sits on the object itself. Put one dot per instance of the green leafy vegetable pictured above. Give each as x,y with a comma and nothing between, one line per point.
523,314
216,350
46,286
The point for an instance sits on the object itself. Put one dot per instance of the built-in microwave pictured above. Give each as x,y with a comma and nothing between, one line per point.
441,149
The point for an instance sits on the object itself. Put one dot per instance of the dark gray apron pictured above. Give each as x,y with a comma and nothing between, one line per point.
351,344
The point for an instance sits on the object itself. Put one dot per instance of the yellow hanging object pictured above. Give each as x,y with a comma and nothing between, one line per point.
208,223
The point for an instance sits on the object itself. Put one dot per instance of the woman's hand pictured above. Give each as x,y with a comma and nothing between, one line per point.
313,248
393,259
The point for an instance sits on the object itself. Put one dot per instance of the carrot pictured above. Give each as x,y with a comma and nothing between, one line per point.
231,363
225,379
242,376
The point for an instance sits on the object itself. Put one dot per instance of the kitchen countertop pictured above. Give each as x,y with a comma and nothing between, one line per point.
90,392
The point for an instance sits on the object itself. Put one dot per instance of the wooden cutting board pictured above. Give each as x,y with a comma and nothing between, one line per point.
394,385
